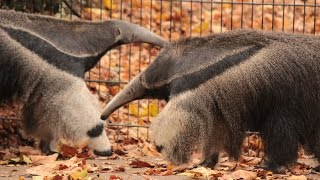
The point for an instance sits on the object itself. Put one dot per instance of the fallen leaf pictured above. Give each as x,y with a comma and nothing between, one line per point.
26,159
301,177
262,173
79,174
15,159
68,151
227,165
133,109
250,160
4,162
57,177
167,173
119,169
299,169
50,168
201,27
37,160
62,167
114,90
108,4
155,172
21,159
37,177
114,177
153,109
140,164
197,172
105,168
243,174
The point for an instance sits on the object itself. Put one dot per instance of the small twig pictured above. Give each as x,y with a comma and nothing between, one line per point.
72,10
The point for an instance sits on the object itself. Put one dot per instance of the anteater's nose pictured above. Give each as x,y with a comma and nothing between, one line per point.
103,153
159,148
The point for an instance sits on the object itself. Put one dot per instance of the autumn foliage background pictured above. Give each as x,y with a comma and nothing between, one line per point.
172,20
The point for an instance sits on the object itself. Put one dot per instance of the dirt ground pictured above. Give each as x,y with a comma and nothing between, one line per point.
13,172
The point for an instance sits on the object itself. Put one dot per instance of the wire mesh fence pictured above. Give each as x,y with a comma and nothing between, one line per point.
172,19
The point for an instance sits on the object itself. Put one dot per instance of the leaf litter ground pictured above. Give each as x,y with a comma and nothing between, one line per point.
134,156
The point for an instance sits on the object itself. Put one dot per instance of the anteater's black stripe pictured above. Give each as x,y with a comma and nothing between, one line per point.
193,80
96,131
74,65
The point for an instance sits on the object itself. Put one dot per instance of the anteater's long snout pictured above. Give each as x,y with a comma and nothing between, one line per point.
134,90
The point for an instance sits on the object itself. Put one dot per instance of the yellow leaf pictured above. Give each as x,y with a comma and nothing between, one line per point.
26,159
201,27
3,162
154,110
15,159
226,6
133,109
151,109
108,4
37,177
79,174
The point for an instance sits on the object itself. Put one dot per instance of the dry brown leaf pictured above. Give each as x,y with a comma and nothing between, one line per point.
197,172
114,177
250,160
171,169
68,151
119,169
140,164
104,168
155,171
62,167
301,177
37,160
51,168
57,177
42,170
248,175
299,169
229,165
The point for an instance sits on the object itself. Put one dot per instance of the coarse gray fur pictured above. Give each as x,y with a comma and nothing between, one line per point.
73,46
57,106
219,86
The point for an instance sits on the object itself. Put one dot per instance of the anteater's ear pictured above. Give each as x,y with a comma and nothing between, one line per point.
77,38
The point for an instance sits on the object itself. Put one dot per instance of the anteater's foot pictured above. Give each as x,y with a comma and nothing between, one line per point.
211,161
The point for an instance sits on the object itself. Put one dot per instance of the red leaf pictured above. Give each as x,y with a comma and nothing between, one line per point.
114,177
68,151
57,177
140,164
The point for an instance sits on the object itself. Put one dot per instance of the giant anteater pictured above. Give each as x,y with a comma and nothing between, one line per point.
73,46
221,85
57,106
